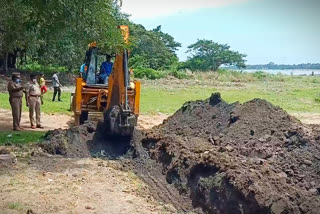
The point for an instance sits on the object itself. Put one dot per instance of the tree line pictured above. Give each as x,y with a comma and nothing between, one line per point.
57,33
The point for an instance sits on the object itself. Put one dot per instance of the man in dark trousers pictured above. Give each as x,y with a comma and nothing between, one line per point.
56,86
15,98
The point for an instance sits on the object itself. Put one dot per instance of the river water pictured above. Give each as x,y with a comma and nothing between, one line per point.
296,72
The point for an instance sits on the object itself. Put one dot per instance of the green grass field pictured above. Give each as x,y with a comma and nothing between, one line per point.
169,100
19,138
48,107
297,94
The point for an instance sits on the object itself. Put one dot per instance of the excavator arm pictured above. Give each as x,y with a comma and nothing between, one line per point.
119,116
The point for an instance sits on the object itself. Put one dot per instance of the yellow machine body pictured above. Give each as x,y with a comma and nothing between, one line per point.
119,92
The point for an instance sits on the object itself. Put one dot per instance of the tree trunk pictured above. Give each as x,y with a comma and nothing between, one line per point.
6,62
21,58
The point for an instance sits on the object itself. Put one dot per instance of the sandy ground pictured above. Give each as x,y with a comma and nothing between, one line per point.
148,121
56,121
59,185
308,118
48,121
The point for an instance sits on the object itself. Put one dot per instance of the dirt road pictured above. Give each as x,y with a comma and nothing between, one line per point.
47,184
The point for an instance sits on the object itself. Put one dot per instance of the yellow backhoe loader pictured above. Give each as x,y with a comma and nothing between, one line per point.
118,100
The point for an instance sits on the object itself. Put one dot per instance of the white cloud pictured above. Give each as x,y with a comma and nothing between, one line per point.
156,8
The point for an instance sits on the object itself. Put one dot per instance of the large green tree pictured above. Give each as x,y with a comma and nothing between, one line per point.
58,31
152,48
167,39
207,55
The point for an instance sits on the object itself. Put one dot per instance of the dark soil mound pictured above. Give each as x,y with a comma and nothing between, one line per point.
71,143
86,140
233,158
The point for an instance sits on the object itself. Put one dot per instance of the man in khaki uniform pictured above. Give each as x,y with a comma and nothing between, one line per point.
15,98
34,102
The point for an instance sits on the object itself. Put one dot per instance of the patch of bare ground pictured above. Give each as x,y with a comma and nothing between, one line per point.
308,118
53,184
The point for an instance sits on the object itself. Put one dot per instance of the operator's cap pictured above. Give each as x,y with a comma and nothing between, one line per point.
16,75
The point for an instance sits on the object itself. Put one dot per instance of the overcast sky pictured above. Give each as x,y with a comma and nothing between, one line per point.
280,31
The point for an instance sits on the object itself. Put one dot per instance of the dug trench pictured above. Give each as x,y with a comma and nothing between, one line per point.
214,157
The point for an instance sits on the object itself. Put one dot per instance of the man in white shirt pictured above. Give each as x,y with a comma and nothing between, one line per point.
56,86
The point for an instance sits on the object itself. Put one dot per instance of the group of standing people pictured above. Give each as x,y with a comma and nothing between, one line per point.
34,92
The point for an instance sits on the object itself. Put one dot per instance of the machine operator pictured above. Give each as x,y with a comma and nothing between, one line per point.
105,70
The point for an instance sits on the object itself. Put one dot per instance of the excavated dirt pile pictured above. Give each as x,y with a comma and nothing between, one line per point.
239,158
72,143
87,140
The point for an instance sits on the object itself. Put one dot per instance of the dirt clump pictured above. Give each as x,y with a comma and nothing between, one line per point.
71,142
239,158
87,140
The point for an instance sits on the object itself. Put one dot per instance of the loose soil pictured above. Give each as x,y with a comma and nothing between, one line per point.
233,158
215,157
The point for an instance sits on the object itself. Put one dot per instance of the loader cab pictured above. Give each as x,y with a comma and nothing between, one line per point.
93,61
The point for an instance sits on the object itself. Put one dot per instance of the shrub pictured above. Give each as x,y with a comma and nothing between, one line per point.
179,74
36,67
148,73
260,75
317,98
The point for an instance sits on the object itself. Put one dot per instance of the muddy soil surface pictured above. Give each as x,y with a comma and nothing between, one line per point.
215,157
